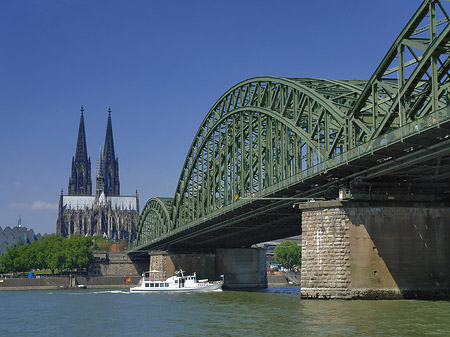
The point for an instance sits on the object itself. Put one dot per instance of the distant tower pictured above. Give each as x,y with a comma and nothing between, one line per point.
110,163
80,181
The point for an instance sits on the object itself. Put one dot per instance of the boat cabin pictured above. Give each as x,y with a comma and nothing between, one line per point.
149,281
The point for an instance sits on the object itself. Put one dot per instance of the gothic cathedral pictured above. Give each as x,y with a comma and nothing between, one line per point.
106,213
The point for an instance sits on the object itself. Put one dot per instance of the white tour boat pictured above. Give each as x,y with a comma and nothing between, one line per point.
177,283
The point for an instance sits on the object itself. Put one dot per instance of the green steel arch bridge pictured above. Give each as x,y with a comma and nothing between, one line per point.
271,142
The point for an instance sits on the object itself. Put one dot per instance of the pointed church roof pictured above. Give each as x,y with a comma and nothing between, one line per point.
81,152
110,163
80,179
108,152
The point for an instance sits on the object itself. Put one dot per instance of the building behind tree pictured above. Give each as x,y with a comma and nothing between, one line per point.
16,236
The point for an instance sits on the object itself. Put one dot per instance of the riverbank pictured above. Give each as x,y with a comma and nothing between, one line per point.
96,282
66,282
283,279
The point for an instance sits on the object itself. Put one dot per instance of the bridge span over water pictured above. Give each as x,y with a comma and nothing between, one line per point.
271,142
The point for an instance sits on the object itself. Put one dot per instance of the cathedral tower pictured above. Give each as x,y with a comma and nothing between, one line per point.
110,163
80,180
106,213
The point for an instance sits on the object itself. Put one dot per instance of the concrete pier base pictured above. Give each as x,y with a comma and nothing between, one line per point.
241,267
375,250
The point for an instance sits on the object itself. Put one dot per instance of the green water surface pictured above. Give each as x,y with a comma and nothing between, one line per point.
273,312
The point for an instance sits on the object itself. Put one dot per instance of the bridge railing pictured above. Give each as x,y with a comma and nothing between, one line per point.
427,122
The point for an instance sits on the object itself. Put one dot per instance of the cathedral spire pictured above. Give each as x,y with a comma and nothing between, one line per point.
81,152
110,163
100,182
109,142
80,180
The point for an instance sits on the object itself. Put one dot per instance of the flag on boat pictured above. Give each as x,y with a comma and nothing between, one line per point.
127,280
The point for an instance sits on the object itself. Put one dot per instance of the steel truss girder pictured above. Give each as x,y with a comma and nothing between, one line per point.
259,132
415,87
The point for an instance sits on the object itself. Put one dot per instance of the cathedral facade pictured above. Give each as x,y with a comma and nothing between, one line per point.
105,213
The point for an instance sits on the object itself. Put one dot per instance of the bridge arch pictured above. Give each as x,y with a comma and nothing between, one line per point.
154,220
259,132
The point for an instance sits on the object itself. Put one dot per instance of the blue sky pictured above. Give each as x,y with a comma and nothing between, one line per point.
160,66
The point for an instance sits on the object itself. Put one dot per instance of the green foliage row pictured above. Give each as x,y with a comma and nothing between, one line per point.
51,252
289,254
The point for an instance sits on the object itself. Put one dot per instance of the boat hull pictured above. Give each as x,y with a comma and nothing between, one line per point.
205,288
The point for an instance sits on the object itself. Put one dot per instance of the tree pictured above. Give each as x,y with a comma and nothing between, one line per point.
51,252
16,259
7,259
288,253
40,253
21,262
78,252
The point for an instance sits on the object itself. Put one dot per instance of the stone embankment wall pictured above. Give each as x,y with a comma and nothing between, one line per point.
374,250
109,270
113,264
64,282
283,279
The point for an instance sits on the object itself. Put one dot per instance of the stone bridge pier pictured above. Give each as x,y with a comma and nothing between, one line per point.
375,250
242,267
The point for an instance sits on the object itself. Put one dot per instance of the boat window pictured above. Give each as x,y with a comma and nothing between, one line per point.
146,285
176,281
152,285
166,285
156,285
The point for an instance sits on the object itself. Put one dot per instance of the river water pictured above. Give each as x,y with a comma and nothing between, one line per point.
271,312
